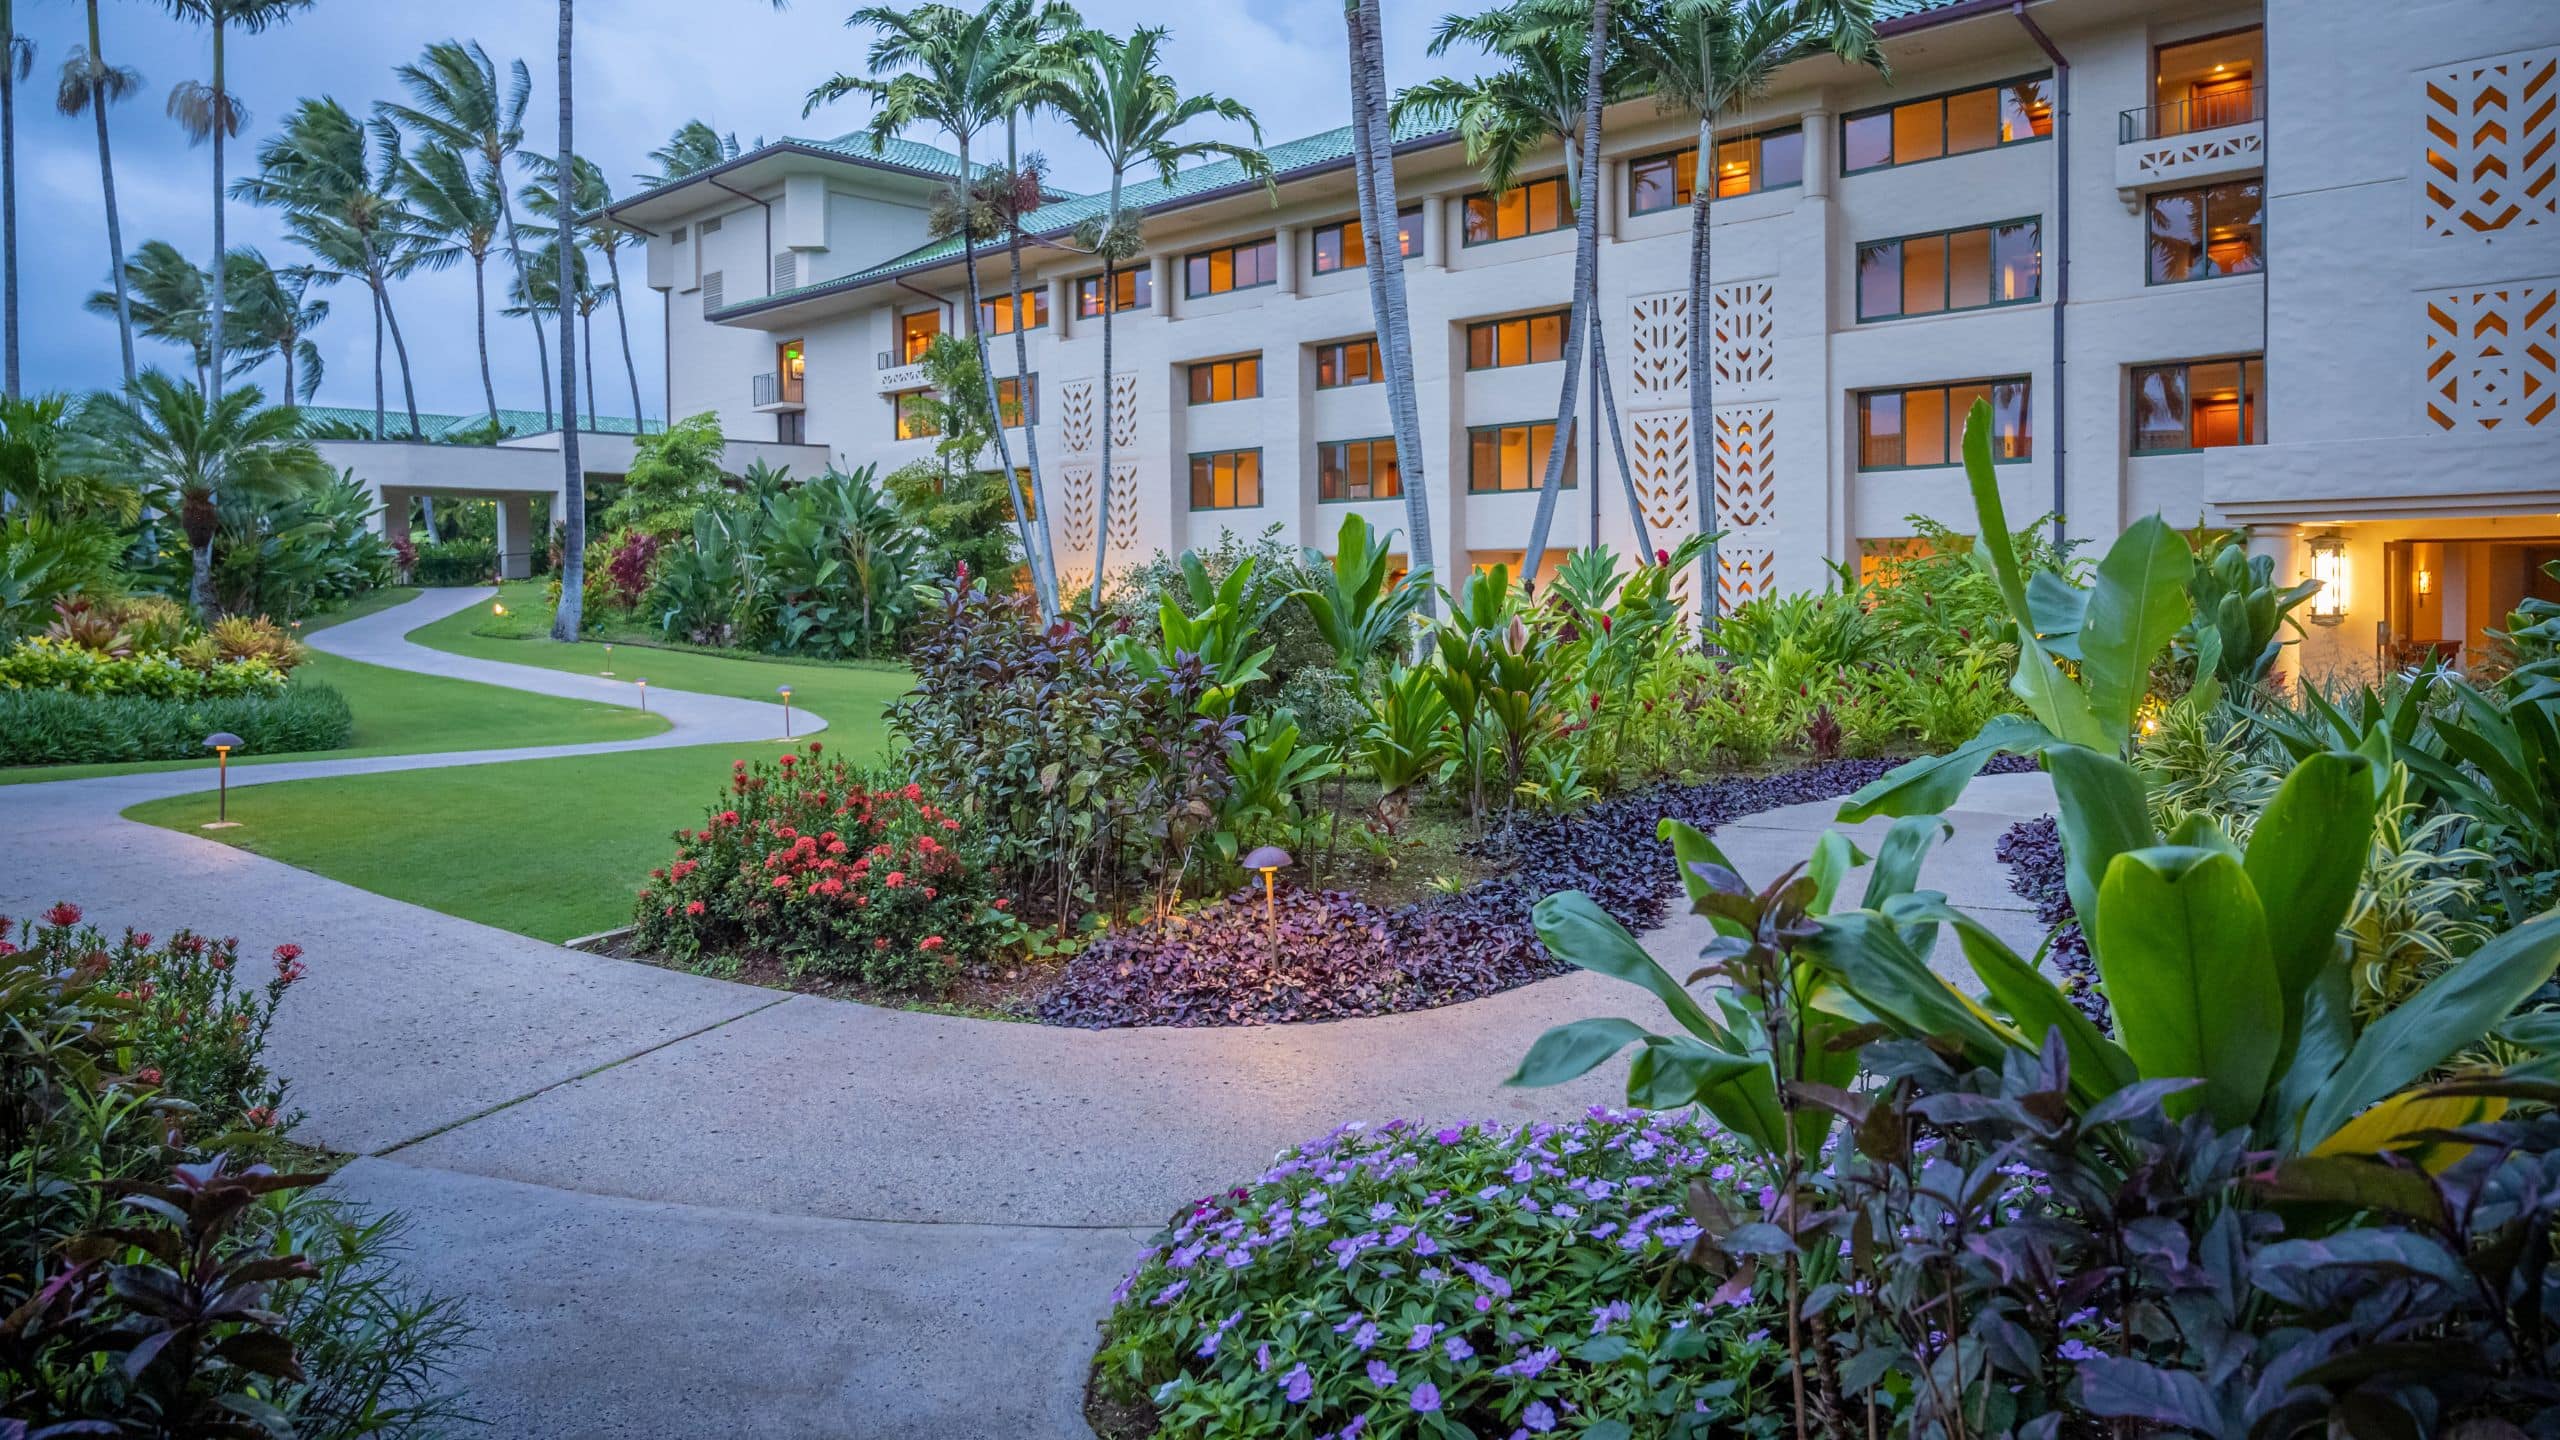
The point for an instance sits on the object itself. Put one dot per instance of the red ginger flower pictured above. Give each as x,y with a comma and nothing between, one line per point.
63,916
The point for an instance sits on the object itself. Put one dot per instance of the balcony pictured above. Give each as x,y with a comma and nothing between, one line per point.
775,393
895,376
2190,141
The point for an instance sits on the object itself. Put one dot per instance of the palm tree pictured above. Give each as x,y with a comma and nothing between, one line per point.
593,199
334,176
189,452
460,105
17,62
1119,99
694,148
457,212
89,83
1374,176
1555,83
212,112
1710,55
569,618
963,73
165,293
275,313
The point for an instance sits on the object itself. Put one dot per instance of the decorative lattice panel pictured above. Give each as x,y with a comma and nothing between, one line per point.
1666,484
1075,416
1746,467
1744,571
1077,498
1124,414
1743,338
2493,357
1124,511
1658,345
2168,160
2492,138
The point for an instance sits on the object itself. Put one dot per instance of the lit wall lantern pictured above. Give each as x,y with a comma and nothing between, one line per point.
2329,567
2426,581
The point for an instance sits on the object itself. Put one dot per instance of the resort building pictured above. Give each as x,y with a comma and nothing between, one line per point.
2290,266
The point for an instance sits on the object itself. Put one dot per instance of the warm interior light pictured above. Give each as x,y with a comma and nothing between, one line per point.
2426,582
2329,566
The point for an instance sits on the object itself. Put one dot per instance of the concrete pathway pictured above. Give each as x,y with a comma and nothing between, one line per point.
682,1206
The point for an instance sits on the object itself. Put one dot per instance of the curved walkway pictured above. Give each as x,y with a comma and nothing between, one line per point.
682,1206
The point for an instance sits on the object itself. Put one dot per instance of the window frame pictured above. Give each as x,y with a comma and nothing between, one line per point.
1192,371
898,402
1564,211
1408,226
2204,223
1039,305
1955,432
1537,480
1231,250
1563,317
1023,385
1191,479
909,352
1144,278
1858,271
2252,408
1372,441
1377,362
1940,99
1755,137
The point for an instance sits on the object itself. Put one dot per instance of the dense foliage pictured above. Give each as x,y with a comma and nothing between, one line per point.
134,679
838,873
54,727
1420,1281
151,1283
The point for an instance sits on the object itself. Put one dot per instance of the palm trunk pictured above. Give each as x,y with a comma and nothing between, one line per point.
1702,374
1376,142
987,378
1607,419
1047,572
286,351
622,326
220,298
1110,305
408,385
567,621
377,362
515,252
480,318
9,189
107,182
587,343
1586,258
200,583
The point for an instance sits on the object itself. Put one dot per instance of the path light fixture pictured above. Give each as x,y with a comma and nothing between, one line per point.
1270,860
785,692
222,743
608,659
497,607
643,683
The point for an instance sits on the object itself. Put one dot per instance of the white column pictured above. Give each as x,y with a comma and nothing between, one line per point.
1160,278
1818,162
1435,232
1611,172
394,519
1284,255
515,537
1061,303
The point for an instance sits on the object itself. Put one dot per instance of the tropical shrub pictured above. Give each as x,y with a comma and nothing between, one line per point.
44,663
1468,1280
841,874
824,568
454,562
54,727
674,473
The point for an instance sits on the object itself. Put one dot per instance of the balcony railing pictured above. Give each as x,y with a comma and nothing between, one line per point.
2196,112
772,389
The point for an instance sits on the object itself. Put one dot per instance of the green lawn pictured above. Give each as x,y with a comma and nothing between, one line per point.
547,848
398,712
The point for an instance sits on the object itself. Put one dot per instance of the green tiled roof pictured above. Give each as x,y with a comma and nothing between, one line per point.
1064,214
905,154
517,423
1905,9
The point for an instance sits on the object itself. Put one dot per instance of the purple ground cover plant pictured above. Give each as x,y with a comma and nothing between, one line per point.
1507,1279
2032,849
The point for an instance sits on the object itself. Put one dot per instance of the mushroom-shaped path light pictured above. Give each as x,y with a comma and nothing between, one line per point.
1270,860
222,743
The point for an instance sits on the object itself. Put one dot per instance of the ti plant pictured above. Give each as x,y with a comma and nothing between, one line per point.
1216,631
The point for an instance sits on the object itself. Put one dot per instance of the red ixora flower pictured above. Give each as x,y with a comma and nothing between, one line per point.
895,879
693,907
149,1075
815,747
788,761
287,952
932,942
63,915
728,817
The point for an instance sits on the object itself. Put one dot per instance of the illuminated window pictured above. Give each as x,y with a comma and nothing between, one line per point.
914,414
1339,246
1523,340
1358,470
1347,362
2199,405
1884,560
916,330
1922,425
1950,270
1232,267
2207,231
1216,380
1226,480
1011,393
1533,207
1131,290
995,313
1503,458
1745,164
2013,112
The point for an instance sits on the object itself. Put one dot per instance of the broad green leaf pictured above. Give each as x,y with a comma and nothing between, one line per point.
2305,858
2182,946
2448,1014
2035,1006
1673,1072
2405,1122
1692,846
2137,606
1898,859
1832,859
1932,783
2356,1182
2103,813
1569,1052
1867,956
2057,607
1578,932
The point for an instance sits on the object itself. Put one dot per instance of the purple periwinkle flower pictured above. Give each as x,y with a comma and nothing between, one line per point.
1538,1417
1170,1293
1262,1357
1449,1137
1381,1374
1298,1385
1426,1398
1457,1349
1365,1337
1422,1336
2077,1350
1604,1316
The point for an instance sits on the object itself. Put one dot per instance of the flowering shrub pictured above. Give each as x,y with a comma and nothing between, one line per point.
1484,1279
197,1025
43,663
838,873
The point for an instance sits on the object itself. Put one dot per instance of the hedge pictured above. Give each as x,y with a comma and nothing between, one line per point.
53,727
